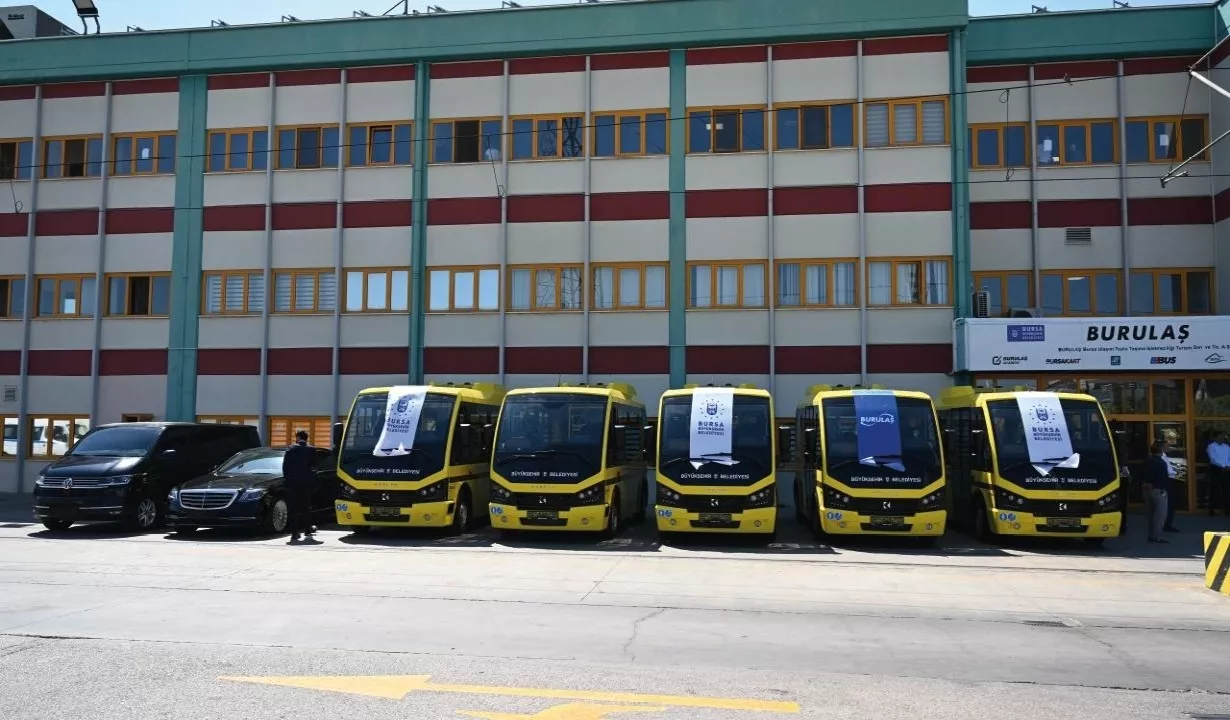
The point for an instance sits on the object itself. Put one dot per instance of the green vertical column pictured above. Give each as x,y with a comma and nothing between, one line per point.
418,230
679,219
186,248
962,278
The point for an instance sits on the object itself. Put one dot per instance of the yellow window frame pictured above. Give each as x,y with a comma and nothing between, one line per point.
453,270
64,140
827,106
558,271
1002,276
275,144
1001,138
619,115
1176,138
134,155
918,102
1184,274
1062,127
535,120
921,262
229,420
1069,274
282,428
829,265
367,274
740,109
714,266
17,168
228,149
295,274
6,296
59,280
223,276
616,289
431,137
128,278
371,128
71,423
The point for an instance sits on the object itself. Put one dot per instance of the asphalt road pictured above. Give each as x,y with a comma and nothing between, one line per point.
99,625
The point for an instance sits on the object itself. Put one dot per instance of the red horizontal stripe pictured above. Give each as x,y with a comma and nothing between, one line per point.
60,363
300,361
145,87
821,200
463,211
17,92
543,65
223,218
629,360
377,213
482,68
1170,211
908,197
461,360
727,55
1221,210
1058,71
1078,213
630,61
727,203
997,74
1003,215
807,51
909,358
66,222
133,221
238,82
733,359
291,78
1221,53
818,360
14,224
74,90
374,361
304,216
386,73
544,360
630,206
906,45
132,362
229,361
10,362
1157,66
546,208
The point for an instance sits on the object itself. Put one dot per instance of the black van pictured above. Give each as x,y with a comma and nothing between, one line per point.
123,472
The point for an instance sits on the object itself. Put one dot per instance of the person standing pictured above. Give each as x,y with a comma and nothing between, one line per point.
299,475
1219,475
1154,483
1172,486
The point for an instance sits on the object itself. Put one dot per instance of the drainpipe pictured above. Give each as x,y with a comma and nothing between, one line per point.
1123,197
270,290
1034,251
339,281
771,268
100,290
502,190
862,225
587,244
23,391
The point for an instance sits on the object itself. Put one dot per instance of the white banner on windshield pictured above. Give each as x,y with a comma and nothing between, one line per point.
401,420
712,430
1046,432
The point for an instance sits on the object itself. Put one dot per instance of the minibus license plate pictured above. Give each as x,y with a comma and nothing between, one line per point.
542,515
1065,523
883,521
385,512
715,517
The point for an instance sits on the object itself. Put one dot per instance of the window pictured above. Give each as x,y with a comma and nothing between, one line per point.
544,288
641,132
305,148
474,433
813,283
51,437
380,144
1008,291
625,435
726,130
552,136
233,292
16,159
466,141
282,430
8,448
1172,292
139,295
463,289
919,121
633,286
1077,142
72,157
238,150
1080,292
12,298
304,291
912,281
811,127
228,420
998,146
1166,139
377,291
144,154
66,296
136,417
726,284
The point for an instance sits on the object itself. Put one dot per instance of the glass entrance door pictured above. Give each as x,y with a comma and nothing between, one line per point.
1132,447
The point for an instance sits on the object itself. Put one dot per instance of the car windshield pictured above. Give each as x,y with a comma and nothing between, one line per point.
366,424
264,462
919,459
547,424
117,441
1086,430
751,445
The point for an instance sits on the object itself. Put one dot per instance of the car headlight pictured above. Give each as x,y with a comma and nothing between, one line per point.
761,498
347,491
595,495
1111,500
1006,499
117,480
252,494
173,496
432,493
836,500
500,495
665,494
932,501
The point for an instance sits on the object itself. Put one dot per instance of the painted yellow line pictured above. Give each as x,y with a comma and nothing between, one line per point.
396,687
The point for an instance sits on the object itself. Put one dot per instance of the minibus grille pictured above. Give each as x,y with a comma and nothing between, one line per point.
387,498
711,503
1063,508
876,506
545,501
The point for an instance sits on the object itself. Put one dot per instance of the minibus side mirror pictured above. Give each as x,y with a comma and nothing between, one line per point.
337,434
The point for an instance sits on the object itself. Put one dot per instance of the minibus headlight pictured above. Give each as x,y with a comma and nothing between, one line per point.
761,498
595,495
932,501
667,495
1108,501
347,491
837,500
435,492
500,495
1006,499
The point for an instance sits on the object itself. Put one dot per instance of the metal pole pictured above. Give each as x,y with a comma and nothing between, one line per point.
771,267
1034,251
502,190
864,285
1123,198
24,441
338,235
587,244
100,276
270,290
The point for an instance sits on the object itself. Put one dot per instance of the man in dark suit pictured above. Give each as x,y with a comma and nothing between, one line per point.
298,470
1155,484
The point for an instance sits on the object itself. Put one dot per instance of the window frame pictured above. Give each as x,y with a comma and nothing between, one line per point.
368,272
741,264
559,288
828,106
804,263
317,273
158,137
1092,273
21,172
89,164
247,291
72,422
452,284
1001,130
642,115
251,153
615,268
10,420
481,120
79,279
275,145
370,128
1178,120
317,436
1002,276
1184,273
229,420
918,103
7,295
921,261
762,108
128,277
511,136
1062,126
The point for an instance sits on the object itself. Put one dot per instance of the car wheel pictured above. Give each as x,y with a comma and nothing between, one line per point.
145,515
57,525
614,519
462,513
277,516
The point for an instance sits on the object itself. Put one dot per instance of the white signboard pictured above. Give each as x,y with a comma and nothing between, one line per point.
401,420
1046,432
1066,345
712,430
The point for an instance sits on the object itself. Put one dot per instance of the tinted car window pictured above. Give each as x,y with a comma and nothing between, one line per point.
117,442
264,462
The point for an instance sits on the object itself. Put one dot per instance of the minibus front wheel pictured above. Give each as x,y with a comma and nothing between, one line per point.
461,514
614,520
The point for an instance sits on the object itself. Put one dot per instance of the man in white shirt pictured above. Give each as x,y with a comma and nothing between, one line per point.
1219,475
1172,490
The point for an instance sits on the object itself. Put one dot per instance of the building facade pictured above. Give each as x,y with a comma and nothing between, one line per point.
250,224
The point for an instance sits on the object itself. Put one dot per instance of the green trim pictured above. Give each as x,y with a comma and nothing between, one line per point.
418,229
186,249
1222,19
559,30
1095,34
961,246
678,332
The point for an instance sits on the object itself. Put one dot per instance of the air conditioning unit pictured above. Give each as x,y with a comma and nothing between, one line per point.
982,304
1025,312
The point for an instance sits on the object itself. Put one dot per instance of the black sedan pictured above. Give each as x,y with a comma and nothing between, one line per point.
248,491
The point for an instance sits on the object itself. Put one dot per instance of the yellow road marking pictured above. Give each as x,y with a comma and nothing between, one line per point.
571,711
396,687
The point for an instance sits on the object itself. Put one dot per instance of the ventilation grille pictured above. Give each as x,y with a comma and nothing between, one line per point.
982,304
1078,236
10,393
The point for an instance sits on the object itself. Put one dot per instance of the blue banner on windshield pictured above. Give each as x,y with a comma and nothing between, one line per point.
879,431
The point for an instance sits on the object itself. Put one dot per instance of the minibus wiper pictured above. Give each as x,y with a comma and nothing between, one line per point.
411,451
705,458
545,452
1056,462
896,462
